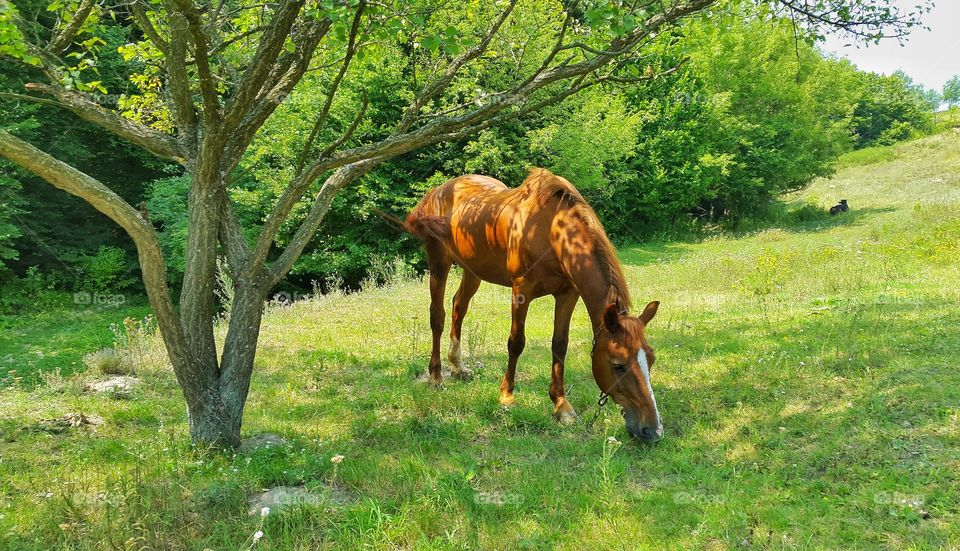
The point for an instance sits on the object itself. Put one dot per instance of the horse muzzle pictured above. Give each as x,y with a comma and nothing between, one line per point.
642,431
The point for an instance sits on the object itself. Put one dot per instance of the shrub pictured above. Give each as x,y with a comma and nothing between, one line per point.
110,269
106,361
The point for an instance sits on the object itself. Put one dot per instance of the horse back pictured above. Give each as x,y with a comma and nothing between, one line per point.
496,232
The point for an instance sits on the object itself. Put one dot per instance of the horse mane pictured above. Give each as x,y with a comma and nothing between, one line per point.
606,255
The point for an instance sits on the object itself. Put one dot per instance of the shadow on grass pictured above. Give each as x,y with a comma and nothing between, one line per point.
831,438
802,219
822,220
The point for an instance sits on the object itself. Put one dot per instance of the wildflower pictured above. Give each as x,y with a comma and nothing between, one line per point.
337,459
257,535
612,441
265,511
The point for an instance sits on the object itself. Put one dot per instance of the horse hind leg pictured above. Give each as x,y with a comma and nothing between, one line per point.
461,302
438,261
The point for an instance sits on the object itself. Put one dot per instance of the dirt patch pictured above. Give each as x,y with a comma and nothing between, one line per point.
114,385
58,425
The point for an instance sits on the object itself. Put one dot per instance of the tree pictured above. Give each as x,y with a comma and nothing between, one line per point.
890,109
951,91
212,75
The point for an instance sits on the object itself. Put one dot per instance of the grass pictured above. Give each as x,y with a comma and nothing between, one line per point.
57,335
807,375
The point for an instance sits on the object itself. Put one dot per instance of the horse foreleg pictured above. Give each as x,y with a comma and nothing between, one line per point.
461,301
563,311
439,263
518,310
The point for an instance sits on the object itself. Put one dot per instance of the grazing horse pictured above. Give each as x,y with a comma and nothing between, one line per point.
539,239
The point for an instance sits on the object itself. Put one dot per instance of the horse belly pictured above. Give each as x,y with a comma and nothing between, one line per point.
474,251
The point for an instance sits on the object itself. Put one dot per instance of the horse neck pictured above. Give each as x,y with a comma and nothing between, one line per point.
595,290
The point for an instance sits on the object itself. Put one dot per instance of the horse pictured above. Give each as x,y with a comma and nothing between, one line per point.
539,239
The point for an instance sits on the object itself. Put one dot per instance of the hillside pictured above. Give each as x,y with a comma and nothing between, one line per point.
807,375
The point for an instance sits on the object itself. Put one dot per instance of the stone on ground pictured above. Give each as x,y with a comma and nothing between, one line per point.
120,384
265,440
280,497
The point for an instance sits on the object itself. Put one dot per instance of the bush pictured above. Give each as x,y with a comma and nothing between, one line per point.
108,270
35,291
107,361
889,109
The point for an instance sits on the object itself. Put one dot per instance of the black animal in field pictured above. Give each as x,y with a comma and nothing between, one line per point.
839,208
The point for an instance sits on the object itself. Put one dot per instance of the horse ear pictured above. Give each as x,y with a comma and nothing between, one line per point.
611,318
649,312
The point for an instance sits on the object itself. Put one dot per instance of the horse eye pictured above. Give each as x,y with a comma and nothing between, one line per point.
620,368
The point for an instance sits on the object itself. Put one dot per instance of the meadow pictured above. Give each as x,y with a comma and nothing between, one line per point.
807,375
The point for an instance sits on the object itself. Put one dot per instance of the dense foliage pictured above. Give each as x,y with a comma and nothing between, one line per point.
752,110
44,228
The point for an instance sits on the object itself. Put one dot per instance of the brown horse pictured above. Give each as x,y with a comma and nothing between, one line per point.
539,239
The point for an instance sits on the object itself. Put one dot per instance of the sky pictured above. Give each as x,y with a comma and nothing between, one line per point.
930,57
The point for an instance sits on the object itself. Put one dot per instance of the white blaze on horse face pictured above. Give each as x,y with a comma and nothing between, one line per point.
645,369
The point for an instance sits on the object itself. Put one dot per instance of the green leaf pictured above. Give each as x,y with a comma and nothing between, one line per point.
432,42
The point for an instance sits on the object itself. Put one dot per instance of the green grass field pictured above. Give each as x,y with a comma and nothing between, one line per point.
807,375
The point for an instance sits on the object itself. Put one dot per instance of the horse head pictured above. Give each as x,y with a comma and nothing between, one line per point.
622,359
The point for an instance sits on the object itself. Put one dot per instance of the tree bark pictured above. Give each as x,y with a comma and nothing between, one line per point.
239,353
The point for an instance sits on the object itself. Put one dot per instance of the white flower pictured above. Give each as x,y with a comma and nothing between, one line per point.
337,459
612,441
257,535
265,511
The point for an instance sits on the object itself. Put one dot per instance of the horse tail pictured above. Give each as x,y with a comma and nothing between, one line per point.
394,221
421,227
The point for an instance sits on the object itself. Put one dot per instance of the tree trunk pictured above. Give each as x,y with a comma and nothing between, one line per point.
216,419
197,306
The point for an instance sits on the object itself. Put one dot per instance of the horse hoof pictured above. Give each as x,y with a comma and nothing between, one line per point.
464,374
507,400
567,418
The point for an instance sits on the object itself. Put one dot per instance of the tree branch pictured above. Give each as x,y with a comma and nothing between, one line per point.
154,141
348,133
178,82
321,204
271,44
433,88
62,40
351,50
140,17
208,88
231,237
266,102
862,27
